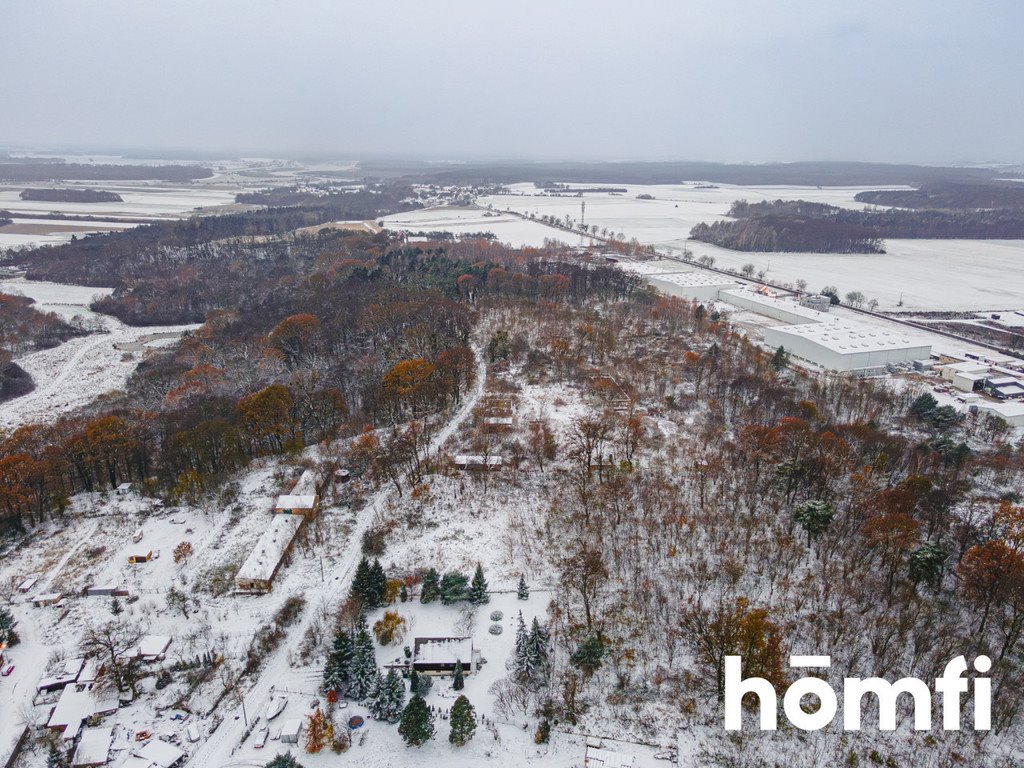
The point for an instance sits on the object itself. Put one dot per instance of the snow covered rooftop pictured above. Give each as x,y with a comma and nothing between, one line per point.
443,650
606,758
160,753
291,727
296,502
265,557
94,747
770,305
75,706
478,460
696,279
67,673
847,336
153,646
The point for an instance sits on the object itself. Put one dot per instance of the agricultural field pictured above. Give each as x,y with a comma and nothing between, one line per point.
922,272
511,230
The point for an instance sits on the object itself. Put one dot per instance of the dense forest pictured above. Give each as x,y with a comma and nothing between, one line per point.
949,196
304,338
797,225
14,381
23,328
71,195
169,249
37,170
709,501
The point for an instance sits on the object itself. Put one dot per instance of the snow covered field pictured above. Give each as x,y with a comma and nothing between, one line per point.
143,202
76,372
511,230
929,274
926,274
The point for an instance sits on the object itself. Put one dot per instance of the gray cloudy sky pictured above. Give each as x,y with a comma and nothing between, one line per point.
915,80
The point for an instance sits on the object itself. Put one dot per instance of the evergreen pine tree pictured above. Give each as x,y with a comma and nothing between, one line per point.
431,589
378,584
283,761
389,698
521,654
454,587
478,589
463,722
362,584
7,634
523,591
338,669
115,606
55,759
364,664
459,680
589,655
417,725
537,649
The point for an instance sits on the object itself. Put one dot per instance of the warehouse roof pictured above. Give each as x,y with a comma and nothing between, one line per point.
694,279
847,337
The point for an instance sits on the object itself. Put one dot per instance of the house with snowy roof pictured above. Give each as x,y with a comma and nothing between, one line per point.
439,655
261,566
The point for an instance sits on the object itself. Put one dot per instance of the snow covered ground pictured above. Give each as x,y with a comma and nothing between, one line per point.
511,230
76,372
926,274
143,202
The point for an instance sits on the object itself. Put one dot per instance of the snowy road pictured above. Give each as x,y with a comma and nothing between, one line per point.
218,749
74,373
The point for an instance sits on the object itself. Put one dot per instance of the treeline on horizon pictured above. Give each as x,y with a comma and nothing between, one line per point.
71,195
945,195
801,226
603,173
46,170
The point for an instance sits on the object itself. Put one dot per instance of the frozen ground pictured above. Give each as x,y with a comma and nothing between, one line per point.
511,230
143,202
927,274
76,372
924,274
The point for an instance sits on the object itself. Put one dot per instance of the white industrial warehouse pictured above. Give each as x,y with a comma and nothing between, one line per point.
831,342
846,346
817,337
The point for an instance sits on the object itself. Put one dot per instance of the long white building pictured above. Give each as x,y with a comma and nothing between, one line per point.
826,340
846,346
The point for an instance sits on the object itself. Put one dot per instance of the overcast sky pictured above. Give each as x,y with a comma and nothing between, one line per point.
914,80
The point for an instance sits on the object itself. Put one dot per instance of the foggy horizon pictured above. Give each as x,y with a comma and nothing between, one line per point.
923,82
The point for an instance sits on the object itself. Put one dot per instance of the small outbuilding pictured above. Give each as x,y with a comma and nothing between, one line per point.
152,648
478,463
290,731
160,754
306,505
94,747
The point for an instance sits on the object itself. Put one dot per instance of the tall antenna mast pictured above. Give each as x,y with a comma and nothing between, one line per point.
583,221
